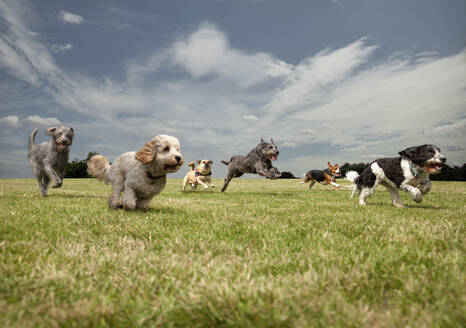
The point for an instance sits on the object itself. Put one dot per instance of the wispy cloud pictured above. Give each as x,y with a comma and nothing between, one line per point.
11,120
71,18
61,48
43,120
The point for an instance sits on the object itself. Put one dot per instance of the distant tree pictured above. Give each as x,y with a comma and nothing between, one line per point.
78,168
287,175
451,173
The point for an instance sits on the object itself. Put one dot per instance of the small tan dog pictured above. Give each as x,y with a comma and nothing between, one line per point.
202,175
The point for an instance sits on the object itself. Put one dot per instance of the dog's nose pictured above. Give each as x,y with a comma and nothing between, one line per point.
443,159
178,159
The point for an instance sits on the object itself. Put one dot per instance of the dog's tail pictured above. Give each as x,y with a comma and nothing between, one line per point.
352,176
226,163
98,167
32,136
191,166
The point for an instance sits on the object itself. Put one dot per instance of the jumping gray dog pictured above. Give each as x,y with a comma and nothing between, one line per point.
258,161
48,159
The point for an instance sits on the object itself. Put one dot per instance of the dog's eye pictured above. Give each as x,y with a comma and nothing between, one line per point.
166,149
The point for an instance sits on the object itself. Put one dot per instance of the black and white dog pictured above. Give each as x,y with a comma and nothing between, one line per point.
409,172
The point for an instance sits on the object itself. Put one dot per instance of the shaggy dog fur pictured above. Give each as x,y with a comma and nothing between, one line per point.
409,172
48,159
138,175
202,175
258,161
323,176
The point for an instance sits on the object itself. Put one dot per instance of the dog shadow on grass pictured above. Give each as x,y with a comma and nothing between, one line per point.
407,206
75,196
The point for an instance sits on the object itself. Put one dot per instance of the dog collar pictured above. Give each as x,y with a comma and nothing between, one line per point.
150,176
197,173
413,171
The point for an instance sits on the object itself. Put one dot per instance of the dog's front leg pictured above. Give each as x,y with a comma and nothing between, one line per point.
267,174
425,186
53,176
205,185
129,198
413,191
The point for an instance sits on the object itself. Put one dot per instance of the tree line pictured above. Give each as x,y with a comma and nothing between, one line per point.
78,169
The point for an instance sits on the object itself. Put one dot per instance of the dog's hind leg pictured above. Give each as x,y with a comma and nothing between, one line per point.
114,200
313,182
43,182
365,192
394,194
230,175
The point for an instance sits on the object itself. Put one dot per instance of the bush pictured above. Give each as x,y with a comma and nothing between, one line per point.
78,168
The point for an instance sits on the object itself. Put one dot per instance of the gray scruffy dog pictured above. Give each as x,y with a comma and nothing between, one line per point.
258,161
48,159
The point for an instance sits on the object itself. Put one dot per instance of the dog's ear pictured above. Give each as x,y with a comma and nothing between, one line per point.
271,141
410,152
211,162
148,153
51,131
262,141
198,161
72,131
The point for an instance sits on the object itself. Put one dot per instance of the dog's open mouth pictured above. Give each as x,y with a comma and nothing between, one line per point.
172,168
434,168
274,157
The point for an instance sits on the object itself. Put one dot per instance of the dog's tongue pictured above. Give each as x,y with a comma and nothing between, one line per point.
274,157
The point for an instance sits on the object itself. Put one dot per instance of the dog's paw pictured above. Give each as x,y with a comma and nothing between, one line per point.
417,196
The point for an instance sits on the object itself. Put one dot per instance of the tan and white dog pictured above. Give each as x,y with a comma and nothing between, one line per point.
202,175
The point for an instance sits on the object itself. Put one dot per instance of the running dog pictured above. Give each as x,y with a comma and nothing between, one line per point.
409,172
48,159
202,175
324,177
138,175
258,161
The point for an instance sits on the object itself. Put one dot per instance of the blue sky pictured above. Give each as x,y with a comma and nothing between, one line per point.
345,81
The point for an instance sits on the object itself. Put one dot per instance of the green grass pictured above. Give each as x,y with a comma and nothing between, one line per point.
265,253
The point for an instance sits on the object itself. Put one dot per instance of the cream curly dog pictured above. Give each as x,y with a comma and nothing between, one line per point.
138,175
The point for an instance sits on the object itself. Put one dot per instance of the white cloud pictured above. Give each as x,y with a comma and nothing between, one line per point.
43,120
250,118
10,120
279,68
61,48
71,18
207,52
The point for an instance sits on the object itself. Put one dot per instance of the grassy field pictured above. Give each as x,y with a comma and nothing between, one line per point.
265,253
